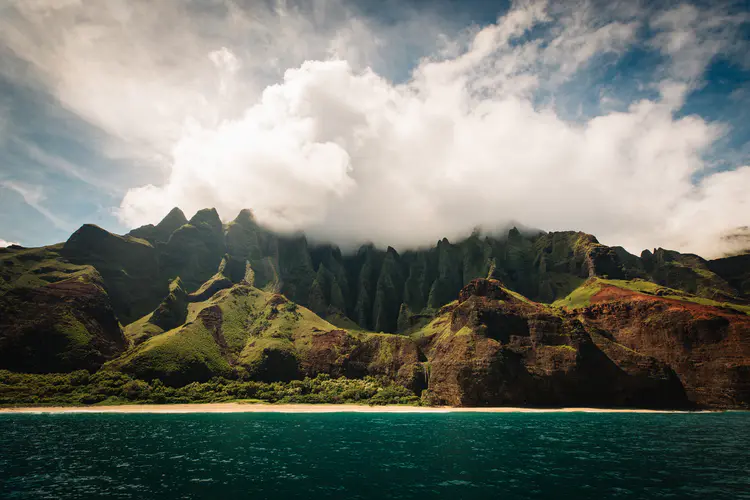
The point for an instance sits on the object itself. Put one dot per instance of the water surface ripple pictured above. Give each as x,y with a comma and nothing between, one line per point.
358,456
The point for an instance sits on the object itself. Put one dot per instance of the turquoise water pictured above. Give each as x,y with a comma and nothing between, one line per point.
347,455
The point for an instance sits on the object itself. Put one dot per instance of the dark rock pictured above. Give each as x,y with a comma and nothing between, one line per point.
163,230
514,353
172,312
129,268
59,327
735,271
490,288
708,347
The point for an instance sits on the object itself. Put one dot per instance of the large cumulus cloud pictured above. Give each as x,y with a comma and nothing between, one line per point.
349,156
299,116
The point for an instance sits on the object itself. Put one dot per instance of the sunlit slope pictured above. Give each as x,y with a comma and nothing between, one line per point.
246,332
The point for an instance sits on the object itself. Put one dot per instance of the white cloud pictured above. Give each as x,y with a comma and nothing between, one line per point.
4,243
692,37
348,156
115,65
293,114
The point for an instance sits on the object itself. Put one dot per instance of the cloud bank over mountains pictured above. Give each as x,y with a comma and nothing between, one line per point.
4,243
305,115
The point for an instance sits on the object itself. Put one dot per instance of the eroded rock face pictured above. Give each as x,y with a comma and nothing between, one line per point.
508,352
708,347
59,327
490,288
172,312
392,356
339,353
329,353
194,251
380,290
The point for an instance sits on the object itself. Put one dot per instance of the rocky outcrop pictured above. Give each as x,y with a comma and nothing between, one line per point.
388,294
491,289
477,332
371,285
59,327
172,312
161,232
687,272
195,250
493,349
245,332
208,289
708,347
248,242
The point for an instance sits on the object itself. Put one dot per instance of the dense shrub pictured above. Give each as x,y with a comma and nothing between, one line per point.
111,387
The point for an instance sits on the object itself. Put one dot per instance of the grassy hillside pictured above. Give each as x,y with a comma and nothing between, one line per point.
33,267
581,296
250,333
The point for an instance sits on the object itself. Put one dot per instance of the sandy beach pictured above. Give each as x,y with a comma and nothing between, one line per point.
304,408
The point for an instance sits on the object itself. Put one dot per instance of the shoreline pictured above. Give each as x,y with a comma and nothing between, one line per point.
312,408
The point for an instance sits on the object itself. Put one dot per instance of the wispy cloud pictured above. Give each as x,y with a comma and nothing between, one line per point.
33,196
65,167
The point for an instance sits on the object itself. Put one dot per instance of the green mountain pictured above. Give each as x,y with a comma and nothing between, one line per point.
523,318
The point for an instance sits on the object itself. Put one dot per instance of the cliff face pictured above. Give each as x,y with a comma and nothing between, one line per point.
689,273
494,348
708,347
58,327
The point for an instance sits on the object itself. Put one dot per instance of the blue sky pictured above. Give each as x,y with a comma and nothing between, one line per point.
393,122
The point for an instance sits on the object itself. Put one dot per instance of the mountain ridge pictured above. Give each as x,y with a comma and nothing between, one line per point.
238,300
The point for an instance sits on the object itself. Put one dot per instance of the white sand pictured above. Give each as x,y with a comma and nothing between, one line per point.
301,408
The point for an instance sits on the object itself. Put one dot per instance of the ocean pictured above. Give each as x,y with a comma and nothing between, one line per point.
362,456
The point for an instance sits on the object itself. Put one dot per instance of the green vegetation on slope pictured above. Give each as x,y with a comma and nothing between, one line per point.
128,265
202,299
240,331
60,326
177,357
581,296
689,273
380,290
33,267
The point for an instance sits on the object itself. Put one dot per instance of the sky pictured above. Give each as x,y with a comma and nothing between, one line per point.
397,123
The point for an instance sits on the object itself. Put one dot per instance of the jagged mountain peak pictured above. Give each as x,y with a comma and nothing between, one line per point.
245,216
207,216
161,232
174,219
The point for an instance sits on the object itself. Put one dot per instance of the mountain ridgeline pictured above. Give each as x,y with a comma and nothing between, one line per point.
380,290
525,318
